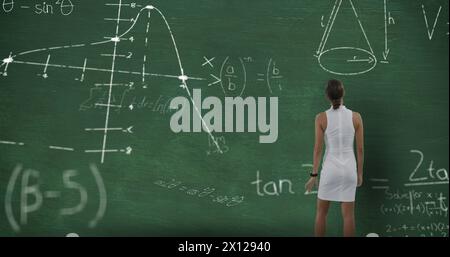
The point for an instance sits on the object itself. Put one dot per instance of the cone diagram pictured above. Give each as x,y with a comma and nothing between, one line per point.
345,48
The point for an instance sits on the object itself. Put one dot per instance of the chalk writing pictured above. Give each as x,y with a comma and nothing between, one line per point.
423,230
28,183
233,76
432,176
201,192
415,203
272,188
212,149
282,186
59,7
98,98
424,196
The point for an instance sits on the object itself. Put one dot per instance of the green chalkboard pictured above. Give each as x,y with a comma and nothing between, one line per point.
87,147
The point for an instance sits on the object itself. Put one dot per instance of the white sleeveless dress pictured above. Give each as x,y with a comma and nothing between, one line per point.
338,178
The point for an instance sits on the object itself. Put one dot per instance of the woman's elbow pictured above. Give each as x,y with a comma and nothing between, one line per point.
360,150
317,151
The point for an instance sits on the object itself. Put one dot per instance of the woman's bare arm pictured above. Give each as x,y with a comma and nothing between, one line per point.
359,135
318,145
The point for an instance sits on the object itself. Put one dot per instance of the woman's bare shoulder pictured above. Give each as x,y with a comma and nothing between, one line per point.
357,120
321,120
321,116
357,116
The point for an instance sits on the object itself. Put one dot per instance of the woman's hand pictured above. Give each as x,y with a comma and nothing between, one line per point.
310,184
360,180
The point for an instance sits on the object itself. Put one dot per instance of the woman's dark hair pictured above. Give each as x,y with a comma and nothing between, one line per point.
335,92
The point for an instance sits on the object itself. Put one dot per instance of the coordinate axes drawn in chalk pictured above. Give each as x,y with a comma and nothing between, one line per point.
115,41
352,60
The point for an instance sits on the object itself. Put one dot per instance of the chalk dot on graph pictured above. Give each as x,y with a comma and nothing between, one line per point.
373,235
72,235
150,7
115,39
8,60
183,78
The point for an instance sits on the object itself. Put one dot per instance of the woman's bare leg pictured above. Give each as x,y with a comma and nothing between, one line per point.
348,215
321,217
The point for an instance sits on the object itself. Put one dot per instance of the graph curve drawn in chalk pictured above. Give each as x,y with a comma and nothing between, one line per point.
182,77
